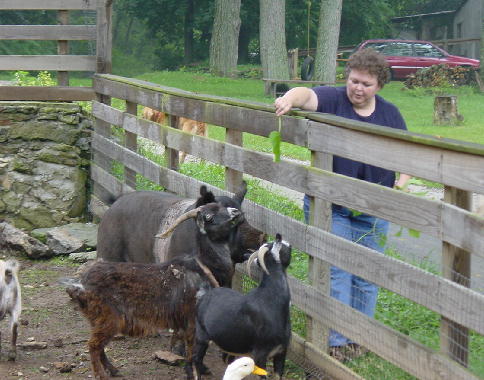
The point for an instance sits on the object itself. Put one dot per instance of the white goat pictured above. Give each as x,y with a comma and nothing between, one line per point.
10,300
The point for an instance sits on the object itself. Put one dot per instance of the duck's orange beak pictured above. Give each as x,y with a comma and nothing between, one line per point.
259,371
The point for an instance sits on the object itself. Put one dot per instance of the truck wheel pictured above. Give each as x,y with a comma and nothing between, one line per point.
307,68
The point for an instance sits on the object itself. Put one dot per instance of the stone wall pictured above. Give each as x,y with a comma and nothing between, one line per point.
44,163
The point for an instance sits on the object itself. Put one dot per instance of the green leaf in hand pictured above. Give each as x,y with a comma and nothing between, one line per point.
413,233
275,138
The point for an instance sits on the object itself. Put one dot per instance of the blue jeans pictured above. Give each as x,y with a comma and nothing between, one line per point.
350,289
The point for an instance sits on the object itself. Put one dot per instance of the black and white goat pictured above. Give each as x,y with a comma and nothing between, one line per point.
139,299
256,324
10,300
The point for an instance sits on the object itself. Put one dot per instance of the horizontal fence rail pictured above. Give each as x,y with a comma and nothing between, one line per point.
48,32
320,133
48,4
48,62
41,93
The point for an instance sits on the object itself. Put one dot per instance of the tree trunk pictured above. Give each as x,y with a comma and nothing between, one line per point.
328,38
244,39
481,72
225,37
273,51
127,47
188,32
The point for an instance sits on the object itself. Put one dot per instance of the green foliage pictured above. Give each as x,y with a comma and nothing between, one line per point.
12,47
43,78
275,138
250,72
130,65
373,22
164,36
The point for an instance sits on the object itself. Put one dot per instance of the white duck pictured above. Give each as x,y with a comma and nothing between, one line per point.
241,368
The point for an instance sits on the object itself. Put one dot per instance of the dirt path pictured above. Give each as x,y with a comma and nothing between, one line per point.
49,316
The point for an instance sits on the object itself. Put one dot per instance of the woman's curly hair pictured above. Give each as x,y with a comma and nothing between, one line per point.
372,61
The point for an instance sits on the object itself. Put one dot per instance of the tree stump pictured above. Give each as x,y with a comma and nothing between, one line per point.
445,110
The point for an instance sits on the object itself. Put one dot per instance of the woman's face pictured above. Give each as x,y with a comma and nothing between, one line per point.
361,87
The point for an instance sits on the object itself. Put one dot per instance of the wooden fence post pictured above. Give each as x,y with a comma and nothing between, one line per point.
63,48
103,65
233,180
104,37
319,270
102,128
172,155
130,141
456,266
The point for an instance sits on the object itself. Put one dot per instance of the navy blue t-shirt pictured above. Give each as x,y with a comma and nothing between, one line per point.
334,100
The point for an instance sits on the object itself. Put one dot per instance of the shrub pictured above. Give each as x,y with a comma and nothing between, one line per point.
43,78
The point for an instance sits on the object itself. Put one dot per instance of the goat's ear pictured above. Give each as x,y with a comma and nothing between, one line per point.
201,223
205,197
203,190
240,194
285,255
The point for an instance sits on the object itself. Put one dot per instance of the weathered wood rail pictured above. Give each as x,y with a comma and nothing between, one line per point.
62,62
427,157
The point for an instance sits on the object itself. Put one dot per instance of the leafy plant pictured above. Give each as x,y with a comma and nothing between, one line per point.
43,78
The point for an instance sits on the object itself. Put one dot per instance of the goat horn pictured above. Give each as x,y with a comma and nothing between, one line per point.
188,215
259,253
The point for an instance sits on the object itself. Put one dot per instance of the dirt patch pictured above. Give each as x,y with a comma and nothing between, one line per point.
49,316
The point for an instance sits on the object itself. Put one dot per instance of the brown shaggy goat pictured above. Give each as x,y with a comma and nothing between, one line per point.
139,299
186,125
136,299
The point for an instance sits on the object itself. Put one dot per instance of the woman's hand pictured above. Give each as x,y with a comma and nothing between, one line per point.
401,182
283,105
300,97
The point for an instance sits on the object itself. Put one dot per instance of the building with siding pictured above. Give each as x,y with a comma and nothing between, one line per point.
457,31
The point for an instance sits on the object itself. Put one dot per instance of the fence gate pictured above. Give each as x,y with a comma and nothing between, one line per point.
62,62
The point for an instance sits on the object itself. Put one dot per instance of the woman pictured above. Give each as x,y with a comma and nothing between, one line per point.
366,74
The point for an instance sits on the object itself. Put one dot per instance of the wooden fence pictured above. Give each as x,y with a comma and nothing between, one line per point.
457,165
63,62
